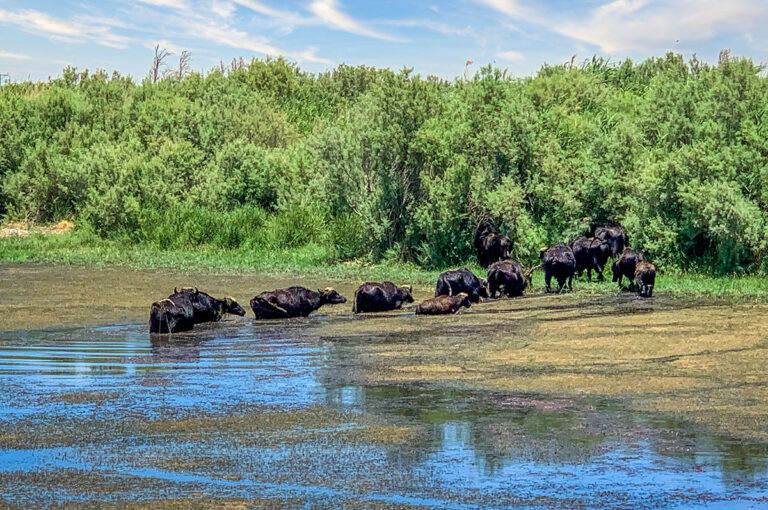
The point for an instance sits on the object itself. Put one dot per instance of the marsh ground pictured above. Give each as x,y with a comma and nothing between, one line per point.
583,399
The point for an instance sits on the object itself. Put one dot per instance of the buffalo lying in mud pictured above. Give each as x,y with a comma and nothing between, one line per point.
443,305
625,266
293,302
590,254
380,297
616,237
490,245
558,263
506,277
187,307
451,283
645,279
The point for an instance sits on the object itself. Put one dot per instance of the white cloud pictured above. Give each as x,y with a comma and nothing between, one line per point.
13,56
310,56
509,7
173,4
644,25
435,26
512,56
328,12
39,23
223,9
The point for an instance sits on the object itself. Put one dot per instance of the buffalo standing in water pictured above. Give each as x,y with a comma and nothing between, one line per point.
183,309
590,253
616,237
380,297
490,245
645,279
451,283
443,305
293,302
625,265
507,275
558,263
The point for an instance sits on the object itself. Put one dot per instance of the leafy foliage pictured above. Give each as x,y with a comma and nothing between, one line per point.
377,164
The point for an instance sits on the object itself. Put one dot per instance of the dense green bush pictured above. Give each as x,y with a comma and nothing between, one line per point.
377,164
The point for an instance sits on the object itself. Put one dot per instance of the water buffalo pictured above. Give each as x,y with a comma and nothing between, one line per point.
507,275
293,302
590,254
168,317
490,245
558,263
451,283
443,305
380,297
625,266
187,307
645,279
616,237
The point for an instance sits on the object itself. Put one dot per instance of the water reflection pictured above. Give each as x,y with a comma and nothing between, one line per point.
214,411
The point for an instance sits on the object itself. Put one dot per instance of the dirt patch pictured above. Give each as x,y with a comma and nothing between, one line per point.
25,229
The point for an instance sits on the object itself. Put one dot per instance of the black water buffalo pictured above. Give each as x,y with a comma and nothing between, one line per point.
443,305
590,254
293,302
645,279
168,317
187,307
625,266
490,245
380,297
451,283
616,237
507,278
558,263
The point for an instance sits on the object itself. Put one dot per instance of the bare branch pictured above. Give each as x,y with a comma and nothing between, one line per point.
184,64
155,72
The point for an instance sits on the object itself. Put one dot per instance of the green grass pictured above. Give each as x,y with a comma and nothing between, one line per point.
82,248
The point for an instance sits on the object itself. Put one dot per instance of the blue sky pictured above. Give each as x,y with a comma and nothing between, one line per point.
37,39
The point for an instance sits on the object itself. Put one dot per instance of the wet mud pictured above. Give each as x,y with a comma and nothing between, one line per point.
545,401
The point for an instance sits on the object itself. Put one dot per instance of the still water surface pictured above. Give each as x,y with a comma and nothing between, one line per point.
78,396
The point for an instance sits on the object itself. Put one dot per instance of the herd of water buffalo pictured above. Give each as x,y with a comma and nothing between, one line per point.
455,289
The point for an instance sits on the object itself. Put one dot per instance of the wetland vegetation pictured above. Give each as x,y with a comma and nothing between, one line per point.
384,166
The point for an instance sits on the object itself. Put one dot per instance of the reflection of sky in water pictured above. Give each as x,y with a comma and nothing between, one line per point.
470,446
201,375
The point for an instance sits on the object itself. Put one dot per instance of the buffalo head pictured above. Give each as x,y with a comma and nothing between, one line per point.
330,296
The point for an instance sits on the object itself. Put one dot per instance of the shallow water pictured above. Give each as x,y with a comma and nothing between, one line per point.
341,411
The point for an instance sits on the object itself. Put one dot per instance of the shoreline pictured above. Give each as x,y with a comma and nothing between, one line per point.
314,261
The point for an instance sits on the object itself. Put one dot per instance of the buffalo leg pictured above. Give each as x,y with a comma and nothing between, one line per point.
548,281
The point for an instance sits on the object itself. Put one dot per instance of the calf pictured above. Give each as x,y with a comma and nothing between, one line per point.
293,302
380,297
558,263
443,305
645,279
507,275
625,266
451,283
